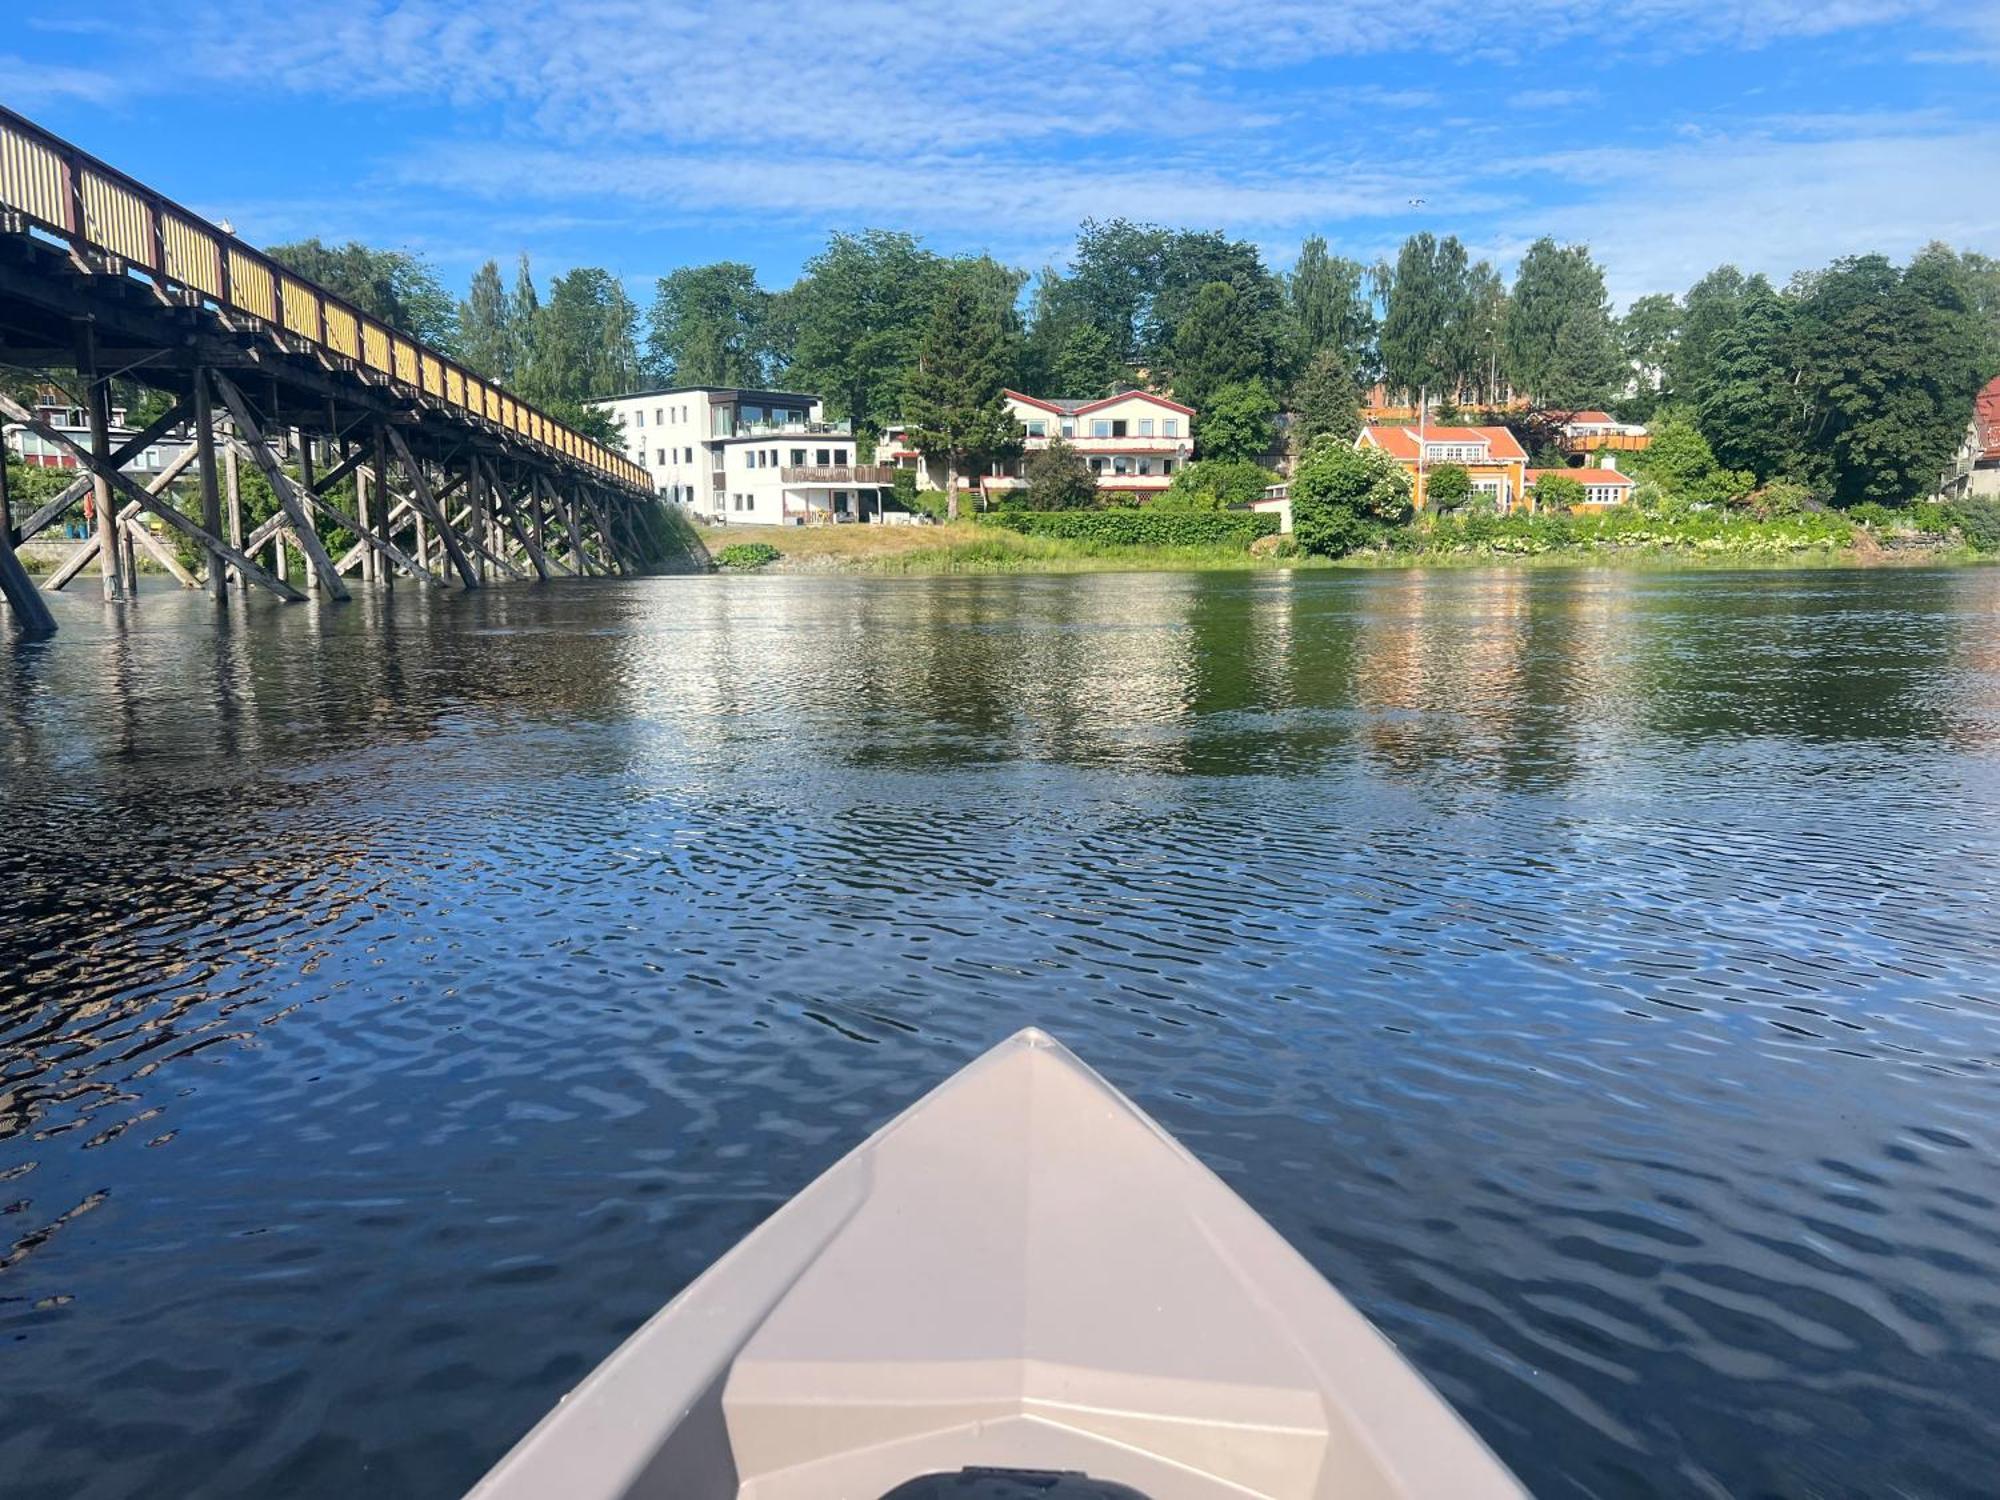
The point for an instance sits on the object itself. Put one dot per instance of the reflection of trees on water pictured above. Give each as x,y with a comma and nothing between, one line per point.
1835,656
183,813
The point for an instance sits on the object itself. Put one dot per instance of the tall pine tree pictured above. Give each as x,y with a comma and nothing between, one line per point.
955,402
485,327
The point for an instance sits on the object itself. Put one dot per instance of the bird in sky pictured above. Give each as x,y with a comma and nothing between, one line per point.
1416,203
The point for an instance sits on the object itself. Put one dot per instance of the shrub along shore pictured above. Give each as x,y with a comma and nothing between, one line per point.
1102,541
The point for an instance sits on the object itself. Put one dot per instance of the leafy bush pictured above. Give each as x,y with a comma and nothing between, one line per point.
1626,526
1979,521
1787,497
1149,527
1932,519
1559,492
1119,500
1683,468
1342,496
1870,513
1217,484
1059,478
1447,487
747,556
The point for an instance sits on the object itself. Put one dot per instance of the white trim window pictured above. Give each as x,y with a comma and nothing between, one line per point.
1170,427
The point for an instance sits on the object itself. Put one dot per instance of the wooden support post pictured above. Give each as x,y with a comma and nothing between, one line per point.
232,493
211,494
289,495
510,512
362,509
14,411
87,552
306,483
97,407
31,611
476,525
426,503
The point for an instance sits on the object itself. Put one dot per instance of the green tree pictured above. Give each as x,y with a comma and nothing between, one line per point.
399,288
486,337
1558,493
1709,307
1059,478
1342,497
1681,465
708,327
1327,307
957,412
1447,487
1189,264
1218,343
1889,362
524,311
1114,277
1431,330
1560,346
1217,484
584,342
1585,365
1237,422
1744,403
1646,337
856,318
1327,402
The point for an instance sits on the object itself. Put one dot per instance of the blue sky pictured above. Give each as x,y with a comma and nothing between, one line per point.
640,135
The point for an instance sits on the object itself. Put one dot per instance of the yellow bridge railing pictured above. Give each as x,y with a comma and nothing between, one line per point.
70,193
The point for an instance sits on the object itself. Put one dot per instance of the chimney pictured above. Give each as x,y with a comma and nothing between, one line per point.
1609,460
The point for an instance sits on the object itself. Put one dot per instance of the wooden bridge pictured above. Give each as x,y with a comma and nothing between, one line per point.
455,482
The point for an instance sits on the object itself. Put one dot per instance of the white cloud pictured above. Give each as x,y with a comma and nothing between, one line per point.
1538,100
32,85
1659,218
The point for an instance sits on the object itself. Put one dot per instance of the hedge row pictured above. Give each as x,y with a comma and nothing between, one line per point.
1143,528
1626,526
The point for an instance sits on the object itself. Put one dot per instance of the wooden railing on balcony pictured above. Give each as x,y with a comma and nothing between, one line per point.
838,474
51,185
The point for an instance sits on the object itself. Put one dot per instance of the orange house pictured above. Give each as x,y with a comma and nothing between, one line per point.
1490,455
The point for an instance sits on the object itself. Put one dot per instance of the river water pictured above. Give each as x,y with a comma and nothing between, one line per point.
1595,975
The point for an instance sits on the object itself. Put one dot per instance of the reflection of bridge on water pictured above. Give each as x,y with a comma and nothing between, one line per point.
452,479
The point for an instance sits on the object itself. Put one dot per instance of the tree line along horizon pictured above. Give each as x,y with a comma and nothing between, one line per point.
1854,381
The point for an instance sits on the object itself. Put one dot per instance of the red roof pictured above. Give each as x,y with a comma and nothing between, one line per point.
1399,440
1986,417
1582,476
1595,419
1078,408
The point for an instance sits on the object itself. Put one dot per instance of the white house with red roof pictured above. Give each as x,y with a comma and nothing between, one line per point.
1491,456
1975,471
1134,441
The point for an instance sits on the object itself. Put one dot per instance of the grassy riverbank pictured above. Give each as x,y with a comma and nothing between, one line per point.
968,547
964,547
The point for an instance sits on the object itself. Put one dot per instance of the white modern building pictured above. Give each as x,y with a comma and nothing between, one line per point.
756,457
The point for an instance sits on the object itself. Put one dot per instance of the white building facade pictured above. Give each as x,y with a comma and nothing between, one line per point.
1134,441
752,457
